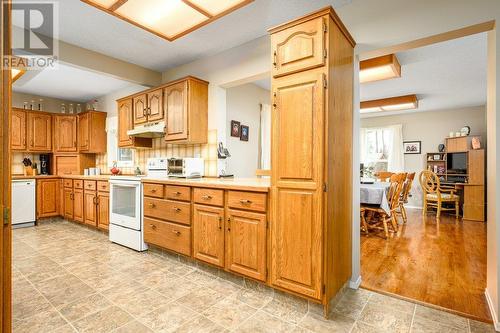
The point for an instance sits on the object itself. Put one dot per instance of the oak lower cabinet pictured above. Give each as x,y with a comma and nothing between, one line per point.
246,241
311,180
168,235
47,197
68,202
90,202
103,205
78,205
208,234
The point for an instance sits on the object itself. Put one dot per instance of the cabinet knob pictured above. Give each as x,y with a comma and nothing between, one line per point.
152,226
245,201
153,190
177,193
176,209
152,205
206,197
176,232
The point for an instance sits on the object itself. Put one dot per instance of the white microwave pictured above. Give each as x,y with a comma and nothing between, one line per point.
187,167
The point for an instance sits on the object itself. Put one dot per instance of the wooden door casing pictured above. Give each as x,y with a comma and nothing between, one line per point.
208,234
89,207
39,132
78,207
103,210
83,131
140,109
246,243
65,134
299,48
68,203
176,108
18,130
155,105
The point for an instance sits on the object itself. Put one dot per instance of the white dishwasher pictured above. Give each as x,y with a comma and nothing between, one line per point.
23,202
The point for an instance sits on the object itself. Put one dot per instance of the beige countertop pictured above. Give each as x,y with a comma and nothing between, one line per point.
244,184
35,177
100,177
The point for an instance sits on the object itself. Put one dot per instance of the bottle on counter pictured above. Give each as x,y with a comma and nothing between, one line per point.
71,110
63,108
32,106
40,104
25,105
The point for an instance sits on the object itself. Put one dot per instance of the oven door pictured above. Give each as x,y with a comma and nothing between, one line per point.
125,204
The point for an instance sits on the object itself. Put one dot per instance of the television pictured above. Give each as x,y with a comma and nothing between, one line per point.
457,163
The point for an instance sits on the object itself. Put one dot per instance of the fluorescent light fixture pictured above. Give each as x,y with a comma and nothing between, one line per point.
169,19
407,102
380,68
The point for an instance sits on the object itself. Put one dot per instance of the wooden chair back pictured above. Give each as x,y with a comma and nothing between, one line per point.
394,190
407,186
429,182
383,176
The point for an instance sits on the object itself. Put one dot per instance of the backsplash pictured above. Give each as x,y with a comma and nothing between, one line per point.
160,148
17,167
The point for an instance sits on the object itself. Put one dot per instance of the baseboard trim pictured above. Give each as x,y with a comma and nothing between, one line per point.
493,313
355,284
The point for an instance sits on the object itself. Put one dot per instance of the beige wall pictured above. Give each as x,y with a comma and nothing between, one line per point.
431,128
243,105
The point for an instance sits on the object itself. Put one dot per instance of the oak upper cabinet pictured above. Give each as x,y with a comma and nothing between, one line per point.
18,130
140,109
311,180
186,108
208,234
92,132
65,134
299,48
155,105
47,195
126,123
39,132
246,243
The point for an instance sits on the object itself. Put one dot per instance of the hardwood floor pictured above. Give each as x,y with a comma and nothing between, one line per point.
443,263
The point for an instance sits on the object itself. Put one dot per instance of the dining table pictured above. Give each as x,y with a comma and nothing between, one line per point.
375,194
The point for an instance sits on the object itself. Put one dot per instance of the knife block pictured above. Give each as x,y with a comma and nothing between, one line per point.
29,171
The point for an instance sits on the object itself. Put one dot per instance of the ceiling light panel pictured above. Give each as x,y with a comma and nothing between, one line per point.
103,3
380,68
216,7
407,102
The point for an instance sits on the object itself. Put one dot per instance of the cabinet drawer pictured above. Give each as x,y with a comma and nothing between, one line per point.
168,235
103,186
247,200
68,183
174,211
78,183
153,190
178,192
208,196
90,185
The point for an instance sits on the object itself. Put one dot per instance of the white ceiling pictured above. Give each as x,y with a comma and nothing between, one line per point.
444,76
90,28
67,82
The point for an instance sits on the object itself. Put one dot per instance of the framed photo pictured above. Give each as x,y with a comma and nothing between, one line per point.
244,133
412,147
476,143
235,128
437,157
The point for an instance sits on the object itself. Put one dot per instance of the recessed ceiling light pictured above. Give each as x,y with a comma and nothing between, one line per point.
169,19
380,68
407,102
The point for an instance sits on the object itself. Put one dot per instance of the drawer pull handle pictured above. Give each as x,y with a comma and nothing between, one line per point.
245,201
152,205
176,232
206,197
176,209
153,190
152,226
177,193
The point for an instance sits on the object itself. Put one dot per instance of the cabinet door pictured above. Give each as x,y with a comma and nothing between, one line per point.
297,180
18,130
155,105
83,131
208,234
78,211
65,134
125,123
89,206
39,132
299,48
176,107
140,110
68,203
246,244
47,193
103,210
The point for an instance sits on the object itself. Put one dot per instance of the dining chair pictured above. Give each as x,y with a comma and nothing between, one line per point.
405,192
435,195
381,216
364,225
383,176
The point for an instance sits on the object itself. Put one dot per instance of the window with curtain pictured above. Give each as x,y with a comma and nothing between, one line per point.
382,148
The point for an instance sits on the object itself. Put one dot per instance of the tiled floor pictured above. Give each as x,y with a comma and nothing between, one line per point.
68,278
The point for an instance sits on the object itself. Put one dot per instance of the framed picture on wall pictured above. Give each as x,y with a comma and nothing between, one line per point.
244,133
412,147
235,128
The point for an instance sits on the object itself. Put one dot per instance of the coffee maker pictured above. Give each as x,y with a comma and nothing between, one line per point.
44,164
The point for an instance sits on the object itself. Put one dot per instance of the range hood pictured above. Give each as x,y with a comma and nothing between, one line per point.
151,130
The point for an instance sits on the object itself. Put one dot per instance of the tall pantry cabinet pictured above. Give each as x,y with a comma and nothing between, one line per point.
312,96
